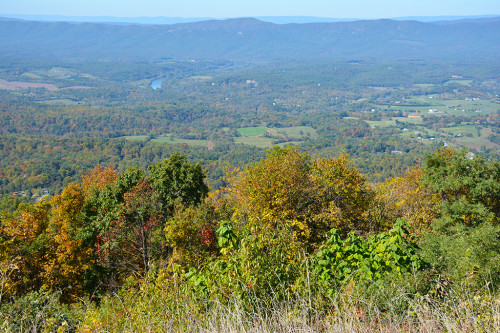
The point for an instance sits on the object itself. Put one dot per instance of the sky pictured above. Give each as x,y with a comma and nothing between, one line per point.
248,8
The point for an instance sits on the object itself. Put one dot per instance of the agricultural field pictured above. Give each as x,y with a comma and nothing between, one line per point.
190,142
15,85
462,82
265,137
251,131
260,137
476,143
296,132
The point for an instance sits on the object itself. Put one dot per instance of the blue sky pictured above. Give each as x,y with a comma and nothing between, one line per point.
237,8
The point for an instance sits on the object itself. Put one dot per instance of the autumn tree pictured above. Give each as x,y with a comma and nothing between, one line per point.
139,239
407,197
341,198
276,188
313,196
69,258
24,248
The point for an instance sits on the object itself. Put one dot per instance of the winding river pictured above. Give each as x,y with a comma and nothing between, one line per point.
156,83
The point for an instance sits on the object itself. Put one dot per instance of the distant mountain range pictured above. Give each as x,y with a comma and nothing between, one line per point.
174,20
252,40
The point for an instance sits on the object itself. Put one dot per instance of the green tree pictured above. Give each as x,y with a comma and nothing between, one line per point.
469,186
176,180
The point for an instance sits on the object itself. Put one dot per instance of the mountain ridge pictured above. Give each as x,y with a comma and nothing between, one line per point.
145,20
249,39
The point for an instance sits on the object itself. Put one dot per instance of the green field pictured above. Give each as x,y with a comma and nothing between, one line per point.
408,120
253,136
413,109
251,131
31,75
475,143
135,137
381,123
421,99
424,85
465,129
55,72
166,139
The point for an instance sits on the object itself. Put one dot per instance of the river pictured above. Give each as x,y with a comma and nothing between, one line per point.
156,83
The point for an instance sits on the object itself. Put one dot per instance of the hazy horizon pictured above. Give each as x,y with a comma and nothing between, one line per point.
156,20
219,9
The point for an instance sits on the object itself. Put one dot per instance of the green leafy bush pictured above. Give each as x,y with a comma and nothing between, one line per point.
251,265
340,260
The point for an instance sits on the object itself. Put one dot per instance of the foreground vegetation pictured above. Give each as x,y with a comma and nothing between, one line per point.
288,243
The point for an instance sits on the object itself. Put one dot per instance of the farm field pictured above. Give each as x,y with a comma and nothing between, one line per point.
251,131
262,137
14,85
265,137
190,142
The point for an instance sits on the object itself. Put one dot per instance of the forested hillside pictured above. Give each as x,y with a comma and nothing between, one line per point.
253,40
289,230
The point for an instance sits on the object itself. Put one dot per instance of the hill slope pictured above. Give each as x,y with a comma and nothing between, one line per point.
253,40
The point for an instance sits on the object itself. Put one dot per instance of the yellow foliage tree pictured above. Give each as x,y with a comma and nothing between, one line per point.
23,249
312,196
341,198
68,259
407,197
274,189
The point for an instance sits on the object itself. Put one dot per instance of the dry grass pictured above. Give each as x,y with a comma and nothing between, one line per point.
344,314
167,306
118,315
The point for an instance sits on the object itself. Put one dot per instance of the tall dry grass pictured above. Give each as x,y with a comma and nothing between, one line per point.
345,312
